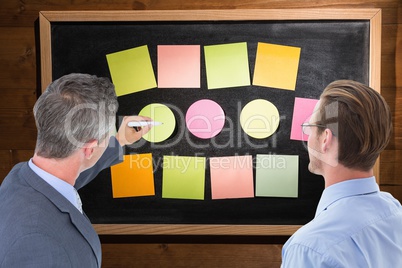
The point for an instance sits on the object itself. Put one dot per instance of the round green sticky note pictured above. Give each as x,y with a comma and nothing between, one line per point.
259,119
159,113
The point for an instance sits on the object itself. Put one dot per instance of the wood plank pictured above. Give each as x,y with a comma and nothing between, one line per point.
231,14
17,118
398,55
17,57
190,229
375,55
397,119
391,168
5,163
21,156
9,158
17,129
22,14
17,98
399,15
396,191
191,255
45,52
393,97
389,39
388,73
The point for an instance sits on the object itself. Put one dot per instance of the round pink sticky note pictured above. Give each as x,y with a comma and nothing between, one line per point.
205,119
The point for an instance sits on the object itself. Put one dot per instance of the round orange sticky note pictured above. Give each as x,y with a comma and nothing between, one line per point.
159,113
259,119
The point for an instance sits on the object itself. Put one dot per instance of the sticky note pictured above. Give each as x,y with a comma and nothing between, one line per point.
227,65
302,110
259,118
183,177
159,113
179,66
133,177
131,70
232,177
276,66
277,175
205,119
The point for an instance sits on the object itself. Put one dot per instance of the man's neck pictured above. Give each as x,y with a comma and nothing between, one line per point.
342,173
66,169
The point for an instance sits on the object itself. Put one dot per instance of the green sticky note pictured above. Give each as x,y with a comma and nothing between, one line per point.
159,113
277,175
183,177
227,65
131,70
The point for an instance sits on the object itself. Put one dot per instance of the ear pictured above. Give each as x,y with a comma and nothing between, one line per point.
327,139
89,148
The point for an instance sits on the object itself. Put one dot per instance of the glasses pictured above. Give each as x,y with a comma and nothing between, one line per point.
306,128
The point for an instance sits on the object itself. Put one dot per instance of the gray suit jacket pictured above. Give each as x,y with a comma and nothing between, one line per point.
41,228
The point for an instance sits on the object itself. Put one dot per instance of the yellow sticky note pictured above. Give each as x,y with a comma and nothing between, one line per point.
159,113
276,66
131,70
133,177
183,177
259,118
227,65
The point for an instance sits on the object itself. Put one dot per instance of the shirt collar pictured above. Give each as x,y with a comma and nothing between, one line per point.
346,189
64,188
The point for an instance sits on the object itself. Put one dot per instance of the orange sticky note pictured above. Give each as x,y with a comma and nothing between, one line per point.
133,177
276,66
232,177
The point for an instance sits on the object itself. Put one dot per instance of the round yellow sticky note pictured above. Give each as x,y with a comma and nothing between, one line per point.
259,119
159,113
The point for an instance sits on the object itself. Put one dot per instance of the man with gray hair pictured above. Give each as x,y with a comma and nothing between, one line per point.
42,222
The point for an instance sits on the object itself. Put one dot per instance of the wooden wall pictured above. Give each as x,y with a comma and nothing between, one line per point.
19,85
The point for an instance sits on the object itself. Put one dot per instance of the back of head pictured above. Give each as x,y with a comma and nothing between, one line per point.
361,120
74,109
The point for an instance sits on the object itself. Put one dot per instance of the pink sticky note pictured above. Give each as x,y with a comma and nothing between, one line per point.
232,177
205,119
179,66
303,109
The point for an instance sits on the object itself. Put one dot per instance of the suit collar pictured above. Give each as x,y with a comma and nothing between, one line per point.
80,221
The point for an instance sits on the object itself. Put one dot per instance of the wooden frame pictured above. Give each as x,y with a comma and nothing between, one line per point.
47,17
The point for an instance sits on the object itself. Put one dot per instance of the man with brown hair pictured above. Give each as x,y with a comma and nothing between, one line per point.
355,225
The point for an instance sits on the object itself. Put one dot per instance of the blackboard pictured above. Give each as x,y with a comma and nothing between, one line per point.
335,44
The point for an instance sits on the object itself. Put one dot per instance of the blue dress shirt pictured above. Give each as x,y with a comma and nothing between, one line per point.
355,225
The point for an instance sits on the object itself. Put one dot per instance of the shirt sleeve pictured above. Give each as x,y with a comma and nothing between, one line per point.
297,255
112,155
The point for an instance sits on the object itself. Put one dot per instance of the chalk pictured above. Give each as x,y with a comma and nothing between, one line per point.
143,123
